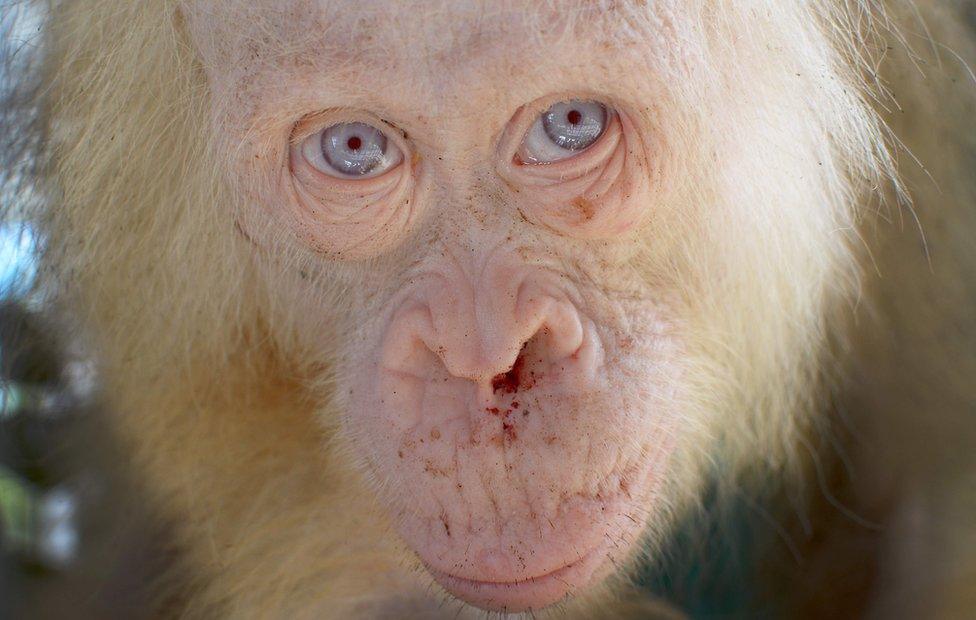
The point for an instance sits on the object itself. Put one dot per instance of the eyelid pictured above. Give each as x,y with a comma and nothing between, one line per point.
318,121
568,168
583,162
522,121
604,144
314,123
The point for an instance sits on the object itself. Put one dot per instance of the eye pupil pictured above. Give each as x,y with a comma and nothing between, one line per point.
575,124
356,149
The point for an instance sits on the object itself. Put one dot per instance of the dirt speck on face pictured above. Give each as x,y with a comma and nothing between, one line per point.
509,429
510,382
586,209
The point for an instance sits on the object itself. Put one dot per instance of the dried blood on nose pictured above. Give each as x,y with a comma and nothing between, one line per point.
509,382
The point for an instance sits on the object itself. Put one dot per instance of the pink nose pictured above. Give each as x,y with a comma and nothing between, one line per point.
486,341
478,330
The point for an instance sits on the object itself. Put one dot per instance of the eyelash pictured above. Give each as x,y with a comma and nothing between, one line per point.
357,151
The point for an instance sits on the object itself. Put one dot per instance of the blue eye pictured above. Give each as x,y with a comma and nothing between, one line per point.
351,150
564,130
574,125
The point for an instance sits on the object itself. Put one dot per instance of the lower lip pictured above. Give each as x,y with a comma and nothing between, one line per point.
524,595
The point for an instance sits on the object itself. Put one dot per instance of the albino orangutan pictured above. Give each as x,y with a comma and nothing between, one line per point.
421,309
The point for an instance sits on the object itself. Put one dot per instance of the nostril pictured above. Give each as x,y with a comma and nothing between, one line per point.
564,331
405,344
557,338
511,381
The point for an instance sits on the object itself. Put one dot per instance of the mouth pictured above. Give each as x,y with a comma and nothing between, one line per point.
527,594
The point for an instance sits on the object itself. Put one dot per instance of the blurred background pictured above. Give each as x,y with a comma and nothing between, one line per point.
72,541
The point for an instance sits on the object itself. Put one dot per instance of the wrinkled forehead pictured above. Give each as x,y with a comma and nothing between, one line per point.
365,33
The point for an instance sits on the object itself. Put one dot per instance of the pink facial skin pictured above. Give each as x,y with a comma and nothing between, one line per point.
508,379
525,441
